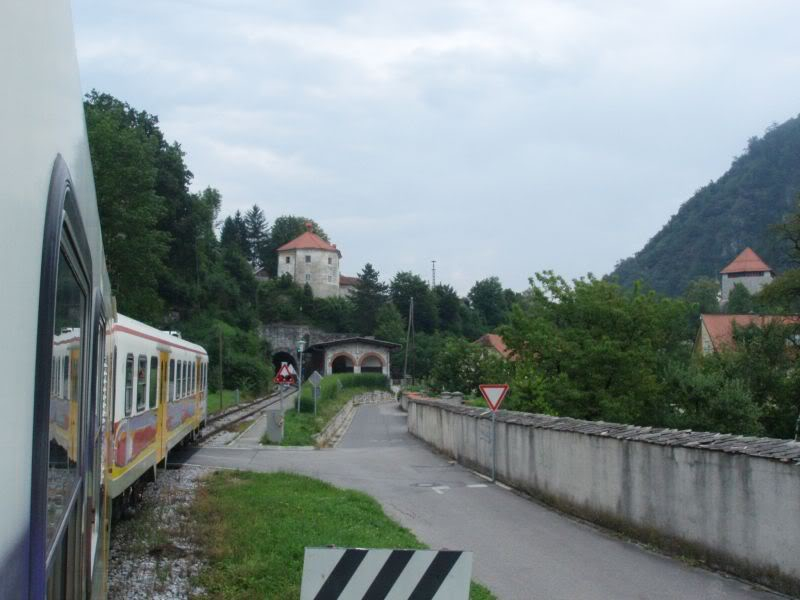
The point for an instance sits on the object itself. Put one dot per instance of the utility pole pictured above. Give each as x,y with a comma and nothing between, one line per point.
433,274
409,339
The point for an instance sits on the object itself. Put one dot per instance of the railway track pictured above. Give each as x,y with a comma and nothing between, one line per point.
224,421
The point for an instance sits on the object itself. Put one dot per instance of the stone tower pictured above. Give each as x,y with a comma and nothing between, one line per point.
310,259
747,269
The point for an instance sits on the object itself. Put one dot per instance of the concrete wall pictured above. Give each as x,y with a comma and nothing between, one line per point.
735,510
321,273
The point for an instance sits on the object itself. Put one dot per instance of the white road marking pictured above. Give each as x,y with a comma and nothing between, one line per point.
477,485
440,489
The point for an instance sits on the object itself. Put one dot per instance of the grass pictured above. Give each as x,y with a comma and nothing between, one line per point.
336,390
253,528
228,399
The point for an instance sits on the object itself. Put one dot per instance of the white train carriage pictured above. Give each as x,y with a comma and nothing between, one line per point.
159,398
55,307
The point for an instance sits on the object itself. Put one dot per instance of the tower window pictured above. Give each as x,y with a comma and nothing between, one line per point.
330,260
308,277
308,258
288,259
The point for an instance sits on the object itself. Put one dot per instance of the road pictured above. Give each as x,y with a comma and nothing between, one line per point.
522,549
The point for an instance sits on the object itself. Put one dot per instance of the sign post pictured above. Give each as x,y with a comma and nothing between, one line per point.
301,345
494,394
315,378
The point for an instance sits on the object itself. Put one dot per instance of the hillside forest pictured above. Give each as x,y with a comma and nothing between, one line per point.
737,210
589,348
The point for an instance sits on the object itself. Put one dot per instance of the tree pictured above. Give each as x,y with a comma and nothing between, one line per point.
740,301
448,305
257,235
593,350
704,292
368,298
234,235
405,286
489,300
125,144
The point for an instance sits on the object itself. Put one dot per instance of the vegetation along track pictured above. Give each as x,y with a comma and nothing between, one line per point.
223,422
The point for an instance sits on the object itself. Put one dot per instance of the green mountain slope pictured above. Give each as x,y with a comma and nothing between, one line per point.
724,217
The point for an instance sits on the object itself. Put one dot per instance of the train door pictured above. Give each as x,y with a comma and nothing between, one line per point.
167,378
198,388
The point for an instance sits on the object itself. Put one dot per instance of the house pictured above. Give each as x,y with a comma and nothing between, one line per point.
747,269
309,259
716,331
495,343
347,285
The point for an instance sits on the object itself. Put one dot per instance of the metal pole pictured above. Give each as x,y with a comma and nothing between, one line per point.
316,389
494,454
299,378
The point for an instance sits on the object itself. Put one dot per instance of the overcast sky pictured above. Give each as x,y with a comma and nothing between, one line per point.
497,137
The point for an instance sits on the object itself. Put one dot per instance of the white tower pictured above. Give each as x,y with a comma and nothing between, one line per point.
310,259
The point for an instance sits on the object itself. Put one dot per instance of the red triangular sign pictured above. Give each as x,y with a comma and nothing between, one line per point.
494,394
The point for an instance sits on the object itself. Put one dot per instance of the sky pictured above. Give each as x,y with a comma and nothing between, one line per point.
495,137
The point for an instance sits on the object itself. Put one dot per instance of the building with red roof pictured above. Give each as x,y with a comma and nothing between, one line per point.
309,259
716,331
495,343
747,269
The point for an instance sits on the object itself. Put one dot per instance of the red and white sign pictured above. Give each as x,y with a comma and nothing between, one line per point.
494,394
284,375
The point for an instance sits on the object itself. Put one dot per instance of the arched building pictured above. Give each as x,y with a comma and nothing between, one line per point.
353,355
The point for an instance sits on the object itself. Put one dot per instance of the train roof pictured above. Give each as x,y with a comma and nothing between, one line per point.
132,326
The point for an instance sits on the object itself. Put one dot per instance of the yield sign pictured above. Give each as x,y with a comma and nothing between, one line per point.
494,394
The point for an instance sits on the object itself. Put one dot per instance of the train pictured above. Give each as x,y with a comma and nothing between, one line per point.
92,401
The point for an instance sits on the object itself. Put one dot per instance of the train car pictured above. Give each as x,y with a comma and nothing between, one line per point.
159,398
55,313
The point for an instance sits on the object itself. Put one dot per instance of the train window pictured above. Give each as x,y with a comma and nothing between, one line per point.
185,379
179,393
171,379
65,412
128,385
141,382
153,381
194,378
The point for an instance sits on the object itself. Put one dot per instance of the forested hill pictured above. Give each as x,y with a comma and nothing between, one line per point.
724,217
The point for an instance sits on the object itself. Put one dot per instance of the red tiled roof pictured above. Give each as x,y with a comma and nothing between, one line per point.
345,280
720,327
309,241
747,262
494,341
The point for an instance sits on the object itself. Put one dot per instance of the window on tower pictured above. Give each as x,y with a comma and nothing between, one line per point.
308,258
308,277
330,260
288,259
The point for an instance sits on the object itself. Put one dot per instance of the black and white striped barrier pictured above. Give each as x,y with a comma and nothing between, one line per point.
357,574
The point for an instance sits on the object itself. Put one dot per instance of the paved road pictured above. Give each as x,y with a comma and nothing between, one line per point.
522,550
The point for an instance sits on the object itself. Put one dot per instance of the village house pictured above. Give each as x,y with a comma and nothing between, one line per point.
494,343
